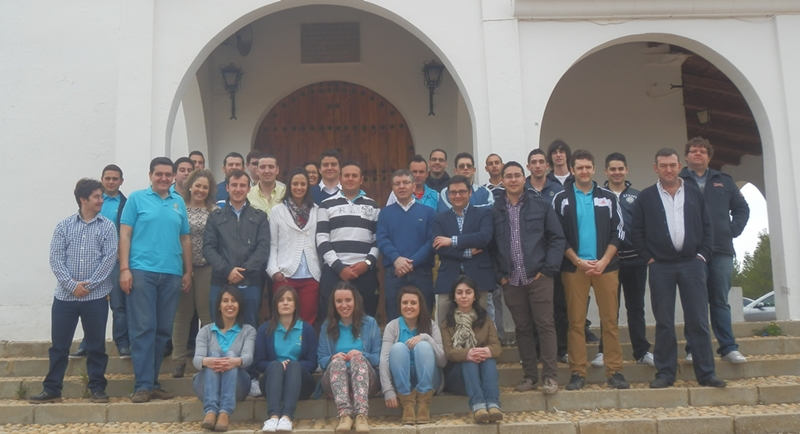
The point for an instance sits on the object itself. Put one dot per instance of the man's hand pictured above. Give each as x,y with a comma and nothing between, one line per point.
503,281
126,281
186,282
403,266
235,275
441,241
80,290
348,274
359,268
475,251
597,267
651,261
538,275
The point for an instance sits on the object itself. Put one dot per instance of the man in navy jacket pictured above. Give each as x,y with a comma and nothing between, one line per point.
672,233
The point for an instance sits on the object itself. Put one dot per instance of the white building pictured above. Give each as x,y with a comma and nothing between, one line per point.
92,82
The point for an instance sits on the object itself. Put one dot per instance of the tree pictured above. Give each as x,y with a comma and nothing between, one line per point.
755,275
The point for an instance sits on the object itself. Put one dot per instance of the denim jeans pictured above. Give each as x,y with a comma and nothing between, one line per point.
119,322
284,387
425,375
249,306
720,269
151,307
64,318
421,278
496,299
220,391
479,381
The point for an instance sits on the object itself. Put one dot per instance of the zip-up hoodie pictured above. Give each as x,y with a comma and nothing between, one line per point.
626,203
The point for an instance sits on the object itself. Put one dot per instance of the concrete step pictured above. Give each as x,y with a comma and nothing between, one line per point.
121,385
760,394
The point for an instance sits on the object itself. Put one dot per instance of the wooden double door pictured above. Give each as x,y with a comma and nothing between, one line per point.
359,123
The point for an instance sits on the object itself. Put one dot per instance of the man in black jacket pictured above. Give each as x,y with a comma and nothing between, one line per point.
672,232
236,244
729,213
528,248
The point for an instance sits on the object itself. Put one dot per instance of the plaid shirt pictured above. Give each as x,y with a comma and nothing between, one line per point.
83,252
518,276
454,238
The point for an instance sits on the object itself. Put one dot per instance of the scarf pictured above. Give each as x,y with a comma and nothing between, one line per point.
299,213
464,336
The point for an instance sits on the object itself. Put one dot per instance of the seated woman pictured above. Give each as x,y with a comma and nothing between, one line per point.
471,344
349,352
286,354
411,358
222,348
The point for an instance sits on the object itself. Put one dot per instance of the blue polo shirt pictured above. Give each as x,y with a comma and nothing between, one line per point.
288,344
406,334
157,226
226,339
110,208
346,341
587,231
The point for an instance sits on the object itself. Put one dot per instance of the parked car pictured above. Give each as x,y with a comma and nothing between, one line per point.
746,301
761,309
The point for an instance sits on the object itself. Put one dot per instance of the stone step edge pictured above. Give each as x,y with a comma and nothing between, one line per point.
18,412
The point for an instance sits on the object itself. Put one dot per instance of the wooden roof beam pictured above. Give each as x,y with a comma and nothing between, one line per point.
710,85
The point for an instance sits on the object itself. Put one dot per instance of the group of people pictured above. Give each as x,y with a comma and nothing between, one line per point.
452,251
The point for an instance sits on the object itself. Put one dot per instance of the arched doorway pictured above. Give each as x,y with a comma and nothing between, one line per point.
359,123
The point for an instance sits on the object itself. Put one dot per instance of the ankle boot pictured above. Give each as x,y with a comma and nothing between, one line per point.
408,402
424,410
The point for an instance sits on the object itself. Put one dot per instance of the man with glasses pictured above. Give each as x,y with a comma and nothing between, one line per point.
438,177
480,197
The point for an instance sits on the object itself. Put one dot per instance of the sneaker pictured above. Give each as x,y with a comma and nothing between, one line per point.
598,361
255,389
80,354
590,337
284,425
525,385
734,357
617,381
563,359
124,353
271,425
161,394
648,360
689,358
141,397
44,397
99,396
550,386
576,382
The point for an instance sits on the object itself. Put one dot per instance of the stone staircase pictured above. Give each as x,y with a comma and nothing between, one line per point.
763,396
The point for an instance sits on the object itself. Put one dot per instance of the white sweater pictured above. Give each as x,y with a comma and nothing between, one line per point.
288,243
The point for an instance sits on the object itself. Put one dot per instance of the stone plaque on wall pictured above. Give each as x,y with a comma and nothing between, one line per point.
330,43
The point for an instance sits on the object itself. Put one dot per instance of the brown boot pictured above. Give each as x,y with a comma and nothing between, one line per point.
408,402
362,425
424,410
222,422
209,421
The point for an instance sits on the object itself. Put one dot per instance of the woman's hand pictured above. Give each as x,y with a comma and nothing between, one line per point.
342,356
352,354
277,277
285,363
224,364
391,402
411,343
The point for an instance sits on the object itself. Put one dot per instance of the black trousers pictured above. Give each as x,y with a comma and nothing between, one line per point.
633,281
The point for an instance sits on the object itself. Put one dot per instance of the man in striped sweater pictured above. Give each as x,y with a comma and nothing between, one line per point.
346,226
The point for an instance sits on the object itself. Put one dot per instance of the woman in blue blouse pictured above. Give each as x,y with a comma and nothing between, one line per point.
286,350
349,352
223,347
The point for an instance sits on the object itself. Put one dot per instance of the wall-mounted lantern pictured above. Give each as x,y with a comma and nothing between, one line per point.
434,71
232,79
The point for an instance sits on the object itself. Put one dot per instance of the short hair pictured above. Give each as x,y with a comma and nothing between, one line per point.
666,152
85,187
233,291
401,172
459,179
160,161
267,155
581,154
232,155
212,187
494,155
555,146
179,161
616,156
329,153
255,153
464,155
537,151
439,150
352,163
238,174
197,153
418,159
513,164
699,142
308,200
112,167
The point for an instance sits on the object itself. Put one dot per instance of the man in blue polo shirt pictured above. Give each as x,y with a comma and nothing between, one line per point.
155,259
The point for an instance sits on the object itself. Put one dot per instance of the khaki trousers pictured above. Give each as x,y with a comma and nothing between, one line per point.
195,299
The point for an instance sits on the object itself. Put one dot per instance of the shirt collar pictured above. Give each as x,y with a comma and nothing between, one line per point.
341,325
327,189
403,325
661,189
80,219
407,207
235,328
298,325
463,211
579,191
107,197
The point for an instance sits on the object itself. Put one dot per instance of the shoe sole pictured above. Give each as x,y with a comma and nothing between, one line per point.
46,401
76,357
125,357
100,400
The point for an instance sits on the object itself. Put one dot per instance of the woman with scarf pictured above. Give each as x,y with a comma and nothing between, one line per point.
471,345
293,256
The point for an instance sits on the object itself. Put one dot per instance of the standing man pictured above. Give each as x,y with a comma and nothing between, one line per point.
461,237
559,158
729,214
198,159
632,269
438,177
423,194
252,166
480,195
232,161
329,185
528,248
83,253
155,259
539,181
593,228
268,192
346,226
183,167
494,167
405,239
672,232
236,245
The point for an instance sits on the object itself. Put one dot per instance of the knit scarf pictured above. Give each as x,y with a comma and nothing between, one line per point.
299,213
464,336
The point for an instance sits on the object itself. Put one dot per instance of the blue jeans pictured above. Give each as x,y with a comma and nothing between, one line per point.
119,320
64,318
476,380
720,269
421,278
151,307
425,376
220,391
285,386
249,306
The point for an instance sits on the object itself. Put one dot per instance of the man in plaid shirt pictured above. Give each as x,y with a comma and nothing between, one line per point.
83,253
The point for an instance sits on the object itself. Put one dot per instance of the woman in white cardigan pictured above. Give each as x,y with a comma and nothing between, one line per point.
293,256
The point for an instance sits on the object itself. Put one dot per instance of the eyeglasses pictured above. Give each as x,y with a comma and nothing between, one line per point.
438,160
464,166
458,192
512,176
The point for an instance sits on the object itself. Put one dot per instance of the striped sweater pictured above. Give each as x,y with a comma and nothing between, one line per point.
346,231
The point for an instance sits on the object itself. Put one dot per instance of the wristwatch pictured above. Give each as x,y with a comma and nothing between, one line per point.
368,262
